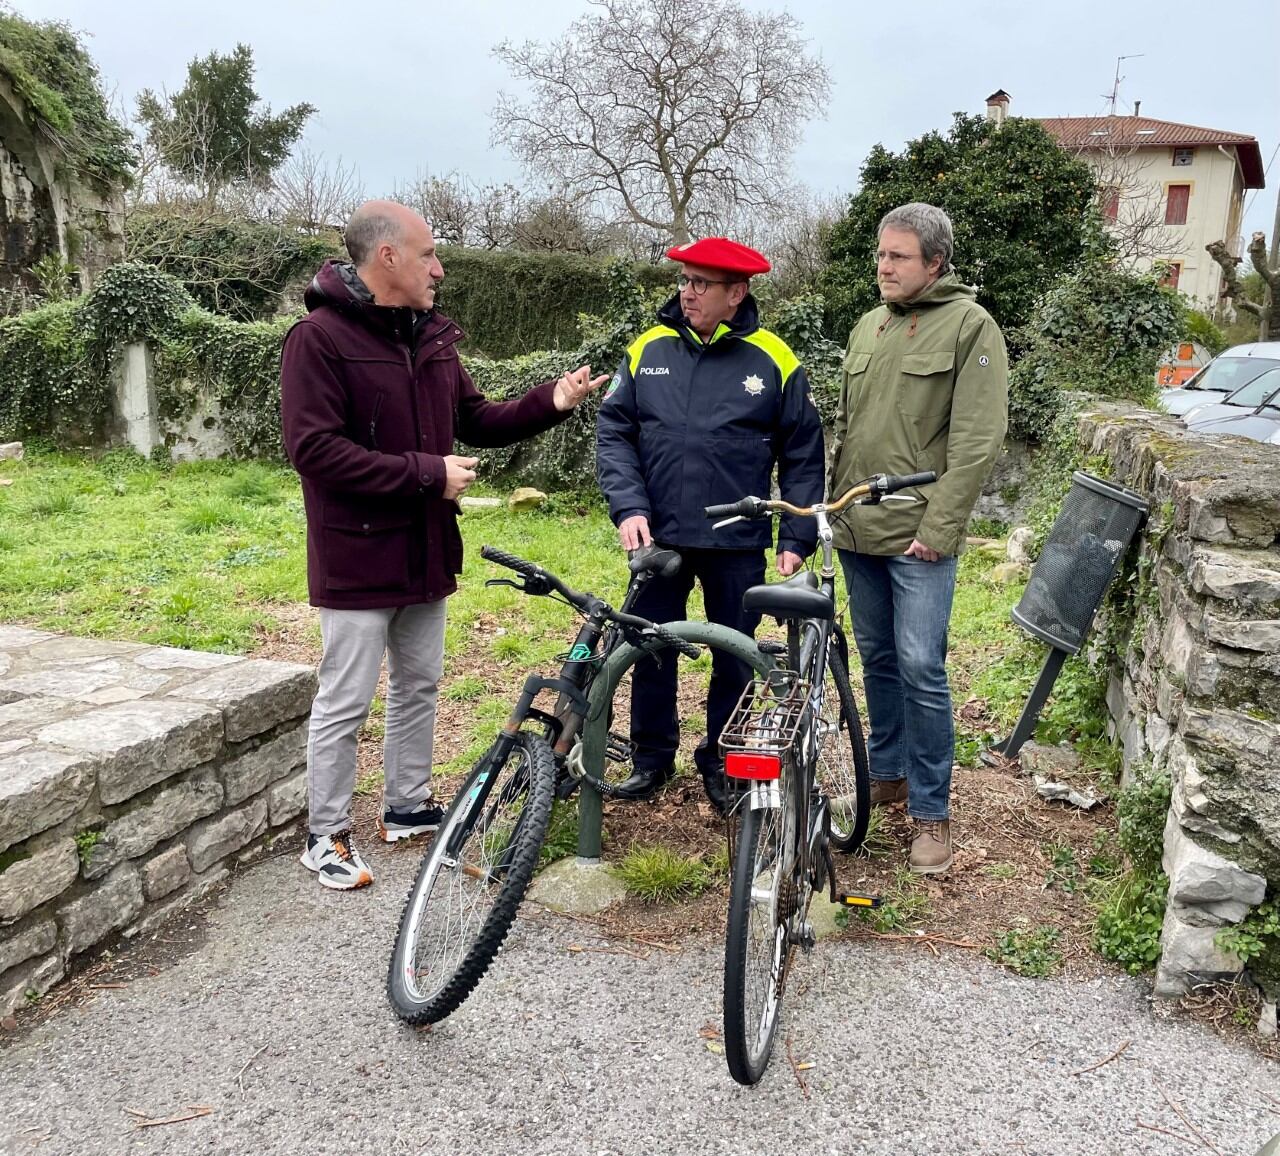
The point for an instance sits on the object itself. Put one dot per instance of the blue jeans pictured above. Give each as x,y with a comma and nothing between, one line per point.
900,607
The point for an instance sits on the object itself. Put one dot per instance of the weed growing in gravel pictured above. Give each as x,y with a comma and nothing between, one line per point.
1028,952
657,874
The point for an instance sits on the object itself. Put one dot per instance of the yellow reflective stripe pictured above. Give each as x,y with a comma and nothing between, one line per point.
721,330
636,349
778,351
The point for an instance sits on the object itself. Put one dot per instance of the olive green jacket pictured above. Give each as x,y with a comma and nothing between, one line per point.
924,386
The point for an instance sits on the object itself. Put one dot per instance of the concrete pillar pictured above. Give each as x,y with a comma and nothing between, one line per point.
136,409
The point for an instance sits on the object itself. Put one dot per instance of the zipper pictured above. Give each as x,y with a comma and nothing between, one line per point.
373,422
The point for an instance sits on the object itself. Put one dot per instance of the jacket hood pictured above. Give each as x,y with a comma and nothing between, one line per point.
338,284
744,322
946,288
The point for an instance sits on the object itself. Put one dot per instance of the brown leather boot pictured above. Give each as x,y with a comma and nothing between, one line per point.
931,847
886,792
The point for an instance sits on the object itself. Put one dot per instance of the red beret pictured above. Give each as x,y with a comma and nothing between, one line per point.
721,253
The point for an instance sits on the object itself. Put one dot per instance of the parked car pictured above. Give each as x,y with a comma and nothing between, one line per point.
1253,411
1226,373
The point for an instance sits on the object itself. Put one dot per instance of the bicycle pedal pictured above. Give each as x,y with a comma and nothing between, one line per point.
618,749
852,899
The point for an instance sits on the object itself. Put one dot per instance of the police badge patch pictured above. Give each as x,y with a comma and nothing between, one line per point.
613,386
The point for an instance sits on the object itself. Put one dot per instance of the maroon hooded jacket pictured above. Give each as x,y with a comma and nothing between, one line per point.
371,399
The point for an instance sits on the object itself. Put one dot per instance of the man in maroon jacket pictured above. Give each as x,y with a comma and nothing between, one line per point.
372,396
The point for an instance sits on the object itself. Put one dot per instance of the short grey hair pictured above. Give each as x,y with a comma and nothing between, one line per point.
367,228
930,224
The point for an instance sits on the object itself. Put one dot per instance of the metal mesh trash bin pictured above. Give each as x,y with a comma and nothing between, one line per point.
1080,557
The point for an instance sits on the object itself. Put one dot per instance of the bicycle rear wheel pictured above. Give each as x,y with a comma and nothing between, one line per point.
842,771
762,895
470,884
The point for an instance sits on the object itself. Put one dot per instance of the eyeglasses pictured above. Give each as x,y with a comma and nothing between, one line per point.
699,284
896,258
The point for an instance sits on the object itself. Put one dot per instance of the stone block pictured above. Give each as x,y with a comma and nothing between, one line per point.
1230,730
248,773
164,873
1211,914
25,716
170,658
1236,576
139,744
217,837
31,881
38,789
68,649
1261,635
1189,956
254,696
1018,548
1198,875
38,978
172,810
34,940
92,917
19,637
287,799
56,682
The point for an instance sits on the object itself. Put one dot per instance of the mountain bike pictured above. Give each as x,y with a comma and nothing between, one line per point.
794,749
474,875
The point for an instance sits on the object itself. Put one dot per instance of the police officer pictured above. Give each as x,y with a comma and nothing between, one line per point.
702,407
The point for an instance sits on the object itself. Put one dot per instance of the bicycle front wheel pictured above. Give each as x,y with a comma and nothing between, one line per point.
470,884
842,771
762,897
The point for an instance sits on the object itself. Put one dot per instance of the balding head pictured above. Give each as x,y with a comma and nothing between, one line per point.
375,223
394,253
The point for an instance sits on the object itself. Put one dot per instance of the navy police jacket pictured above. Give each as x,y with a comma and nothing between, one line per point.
687,424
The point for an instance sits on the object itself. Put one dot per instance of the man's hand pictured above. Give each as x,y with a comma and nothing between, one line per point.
789,563
459,473
919,550
633,532
573,387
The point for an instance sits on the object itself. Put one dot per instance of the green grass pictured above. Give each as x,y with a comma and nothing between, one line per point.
658,875
1028,951
904,905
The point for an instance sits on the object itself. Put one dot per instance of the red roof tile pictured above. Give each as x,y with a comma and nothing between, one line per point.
1144,132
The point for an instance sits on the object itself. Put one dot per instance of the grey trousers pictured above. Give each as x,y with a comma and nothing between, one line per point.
412,638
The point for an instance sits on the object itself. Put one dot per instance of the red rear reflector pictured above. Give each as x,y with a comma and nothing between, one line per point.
750,765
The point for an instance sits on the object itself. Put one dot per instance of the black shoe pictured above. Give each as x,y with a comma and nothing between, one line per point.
644,783
713,783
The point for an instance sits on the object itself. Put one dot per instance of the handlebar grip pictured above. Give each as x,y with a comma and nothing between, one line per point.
905,481
746,508
688,649
510,561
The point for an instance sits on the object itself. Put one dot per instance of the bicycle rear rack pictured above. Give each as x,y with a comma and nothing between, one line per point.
768,715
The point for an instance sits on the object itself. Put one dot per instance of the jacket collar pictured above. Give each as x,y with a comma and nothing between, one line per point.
743,323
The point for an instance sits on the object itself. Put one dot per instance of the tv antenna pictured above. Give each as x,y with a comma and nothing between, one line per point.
1114,94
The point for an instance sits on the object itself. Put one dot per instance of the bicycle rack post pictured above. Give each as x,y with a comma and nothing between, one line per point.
595,730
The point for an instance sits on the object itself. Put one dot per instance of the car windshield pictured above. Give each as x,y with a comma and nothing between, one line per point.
1258,390
1225,374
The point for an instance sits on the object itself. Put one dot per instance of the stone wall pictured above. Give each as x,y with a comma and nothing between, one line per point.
1199,692
44,209
131,777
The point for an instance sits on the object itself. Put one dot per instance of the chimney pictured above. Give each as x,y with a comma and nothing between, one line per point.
998,107
1137,106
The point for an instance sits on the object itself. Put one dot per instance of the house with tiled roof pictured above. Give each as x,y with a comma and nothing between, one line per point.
1167,189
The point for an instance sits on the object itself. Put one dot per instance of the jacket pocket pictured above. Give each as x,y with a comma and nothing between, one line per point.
366,552
927,380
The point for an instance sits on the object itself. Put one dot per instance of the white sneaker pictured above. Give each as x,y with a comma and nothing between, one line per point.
336,861
423,818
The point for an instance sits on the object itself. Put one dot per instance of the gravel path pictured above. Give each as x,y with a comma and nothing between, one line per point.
277,1021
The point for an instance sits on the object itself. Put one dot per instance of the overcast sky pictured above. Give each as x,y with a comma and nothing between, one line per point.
405,87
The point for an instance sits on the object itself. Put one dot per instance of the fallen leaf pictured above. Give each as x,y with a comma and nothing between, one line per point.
716,1048
6,481
709,1031
9,1023
805,1066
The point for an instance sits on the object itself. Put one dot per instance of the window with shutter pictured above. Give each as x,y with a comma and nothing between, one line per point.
1175,209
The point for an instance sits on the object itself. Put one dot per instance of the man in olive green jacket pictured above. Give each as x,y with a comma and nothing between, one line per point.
924,387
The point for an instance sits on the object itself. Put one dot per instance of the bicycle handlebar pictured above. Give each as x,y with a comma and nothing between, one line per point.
540,581
874,487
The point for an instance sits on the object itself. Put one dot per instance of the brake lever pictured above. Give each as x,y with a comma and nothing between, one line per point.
503,582
728,521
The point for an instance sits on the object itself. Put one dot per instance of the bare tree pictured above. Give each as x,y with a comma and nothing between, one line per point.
1131,202
1268,311
311,196
662,106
